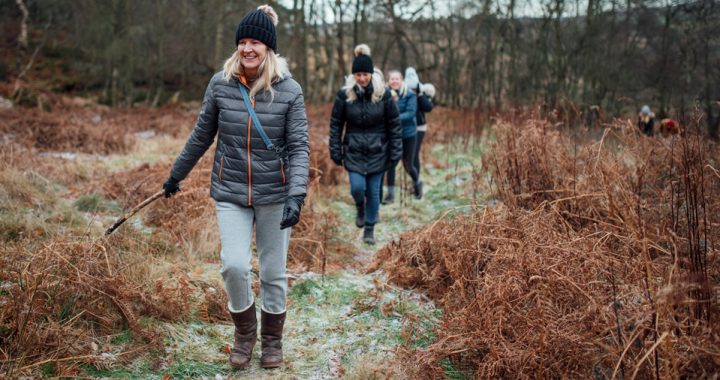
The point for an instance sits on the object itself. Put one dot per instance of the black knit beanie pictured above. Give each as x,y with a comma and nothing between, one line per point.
362,62
257,25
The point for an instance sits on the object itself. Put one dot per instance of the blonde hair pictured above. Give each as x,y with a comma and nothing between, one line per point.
403,87
271,69
378,87
380,74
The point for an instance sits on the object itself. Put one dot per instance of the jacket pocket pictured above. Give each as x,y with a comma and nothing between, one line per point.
282,170
375,144
222,160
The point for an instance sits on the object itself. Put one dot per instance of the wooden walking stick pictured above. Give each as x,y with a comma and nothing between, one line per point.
134,211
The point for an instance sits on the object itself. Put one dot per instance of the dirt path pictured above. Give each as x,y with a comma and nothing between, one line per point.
345,325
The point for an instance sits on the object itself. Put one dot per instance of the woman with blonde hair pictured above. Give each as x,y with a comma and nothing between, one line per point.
259,177
425,92
407,106
365,137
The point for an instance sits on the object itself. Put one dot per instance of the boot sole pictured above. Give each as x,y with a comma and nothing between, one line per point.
271,365
240,366
244,365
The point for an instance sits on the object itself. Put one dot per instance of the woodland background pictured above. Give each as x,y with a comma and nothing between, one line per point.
596,249
486,54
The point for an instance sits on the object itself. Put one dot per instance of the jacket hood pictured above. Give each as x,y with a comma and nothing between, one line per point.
284,69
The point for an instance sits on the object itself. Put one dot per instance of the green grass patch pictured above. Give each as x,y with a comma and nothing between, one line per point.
115,372
452,372
48,369
124,337
94,202
301,289
12,228
182,369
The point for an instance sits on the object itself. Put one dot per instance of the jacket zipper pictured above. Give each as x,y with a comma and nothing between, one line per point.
252,103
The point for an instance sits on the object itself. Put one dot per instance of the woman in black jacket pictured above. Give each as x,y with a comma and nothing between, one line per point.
365,137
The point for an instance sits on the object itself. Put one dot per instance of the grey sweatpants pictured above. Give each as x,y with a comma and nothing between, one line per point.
236,226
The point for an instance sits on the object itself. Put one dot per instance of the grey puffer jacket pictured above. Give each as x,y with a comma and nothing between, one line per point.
244,171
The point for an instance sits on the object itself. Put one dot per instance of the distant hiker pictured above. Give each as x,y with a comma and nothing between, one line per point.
365,137
407,105
253,184
594,117
646,120
669,127
424,92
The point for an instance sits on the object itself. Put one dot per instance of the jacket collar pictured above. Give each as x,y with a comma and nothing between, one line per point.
364,93
286,75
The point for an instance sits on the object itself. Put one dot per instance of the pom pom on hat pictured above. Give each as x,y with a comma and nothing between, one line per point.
362,49
362,62
270,12
428,89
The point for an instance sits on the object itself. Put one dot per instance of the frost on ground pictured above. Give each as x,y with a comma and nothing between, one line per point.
346,325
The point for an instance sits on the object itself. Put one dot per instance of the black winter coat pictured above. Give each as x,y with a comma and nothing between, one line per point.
367,136
424,106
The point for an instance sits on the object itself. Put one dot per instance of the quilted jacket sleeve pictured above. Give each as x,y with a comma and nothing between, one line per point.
337,123
201,138
298,147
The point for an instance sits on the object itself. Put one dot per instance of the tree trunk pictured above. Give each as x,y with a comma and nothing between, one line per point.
220,30
23,36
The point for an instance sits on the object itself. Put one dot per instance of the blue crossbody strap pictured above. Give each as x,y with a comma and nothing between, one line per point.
258,126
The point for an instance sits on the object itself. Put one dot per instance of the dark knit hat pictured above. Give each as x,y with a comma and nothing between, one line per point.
362,62
259,24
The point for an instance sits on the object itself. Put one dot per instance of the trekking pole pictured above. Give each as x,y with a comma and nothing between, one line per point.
132,212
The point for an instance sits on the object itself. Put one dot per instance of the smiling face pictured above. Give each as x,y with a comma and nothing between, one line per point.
362,79
395,80
252,53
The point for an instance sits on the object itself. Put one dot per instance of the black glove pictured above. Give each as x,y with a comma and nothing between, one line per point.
291,211
171,186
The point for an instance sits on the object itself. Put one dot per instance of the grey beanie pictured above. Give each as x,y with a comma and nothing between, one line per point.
412,81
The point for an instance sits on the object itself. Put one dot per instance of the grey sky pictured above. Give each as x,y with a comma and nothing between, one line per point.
446,7
524,8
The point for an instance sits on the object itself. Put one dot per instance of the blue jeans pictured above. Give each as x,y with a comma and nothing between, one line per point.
365,189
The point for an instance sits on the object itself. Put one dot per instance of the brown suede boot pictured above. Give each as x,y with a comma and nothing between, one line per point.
271,329
245,337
